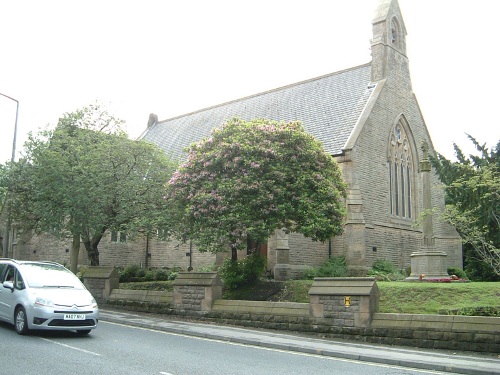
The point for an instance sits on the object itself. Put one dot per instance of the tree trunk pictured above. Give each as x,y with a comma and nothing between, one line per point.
75,251
234,254
93,255
91,247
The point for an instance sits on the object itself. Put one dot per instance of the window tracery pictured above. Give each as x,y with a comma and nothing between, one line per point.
400,167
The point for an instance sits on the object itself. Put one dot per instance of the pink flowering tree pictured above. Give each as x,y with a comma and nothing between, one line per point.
251,178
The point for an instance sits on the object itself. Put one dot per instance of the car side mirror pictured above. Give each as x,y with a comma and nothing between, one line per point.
9,285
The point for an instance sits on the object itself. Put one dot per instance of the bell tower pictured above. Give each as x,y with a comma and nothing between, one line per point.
389,40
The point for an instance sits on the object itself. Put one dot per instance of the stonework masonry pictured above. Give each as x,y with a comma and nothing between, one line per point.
196,292
327,315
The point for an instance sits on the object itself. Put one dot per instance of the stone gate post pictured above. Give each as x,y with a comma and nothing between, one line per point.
196,292
100,281
344,301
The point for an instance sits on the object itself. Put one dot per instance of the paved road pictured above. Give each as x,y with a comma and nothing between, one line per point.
405,357
118,349
126,343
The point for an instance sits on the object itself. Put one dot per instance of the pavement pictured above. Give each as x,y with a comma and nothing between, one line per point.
458,363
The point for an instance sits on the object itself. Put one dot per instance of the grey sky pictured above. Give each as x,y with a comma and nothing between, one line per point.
173,57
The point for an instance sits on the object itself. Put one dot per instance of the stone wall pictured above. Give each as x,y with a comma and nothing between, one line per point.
101,281
191,299
97,288
465,333
340,308
160,254
455,332
196,292
336,311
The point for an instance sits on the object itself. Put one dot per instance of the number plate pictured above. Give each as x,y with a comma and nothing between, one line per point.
74,316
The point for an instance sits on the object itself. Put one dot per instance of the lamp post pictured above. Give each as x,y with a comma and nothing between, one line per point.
15,127
5,252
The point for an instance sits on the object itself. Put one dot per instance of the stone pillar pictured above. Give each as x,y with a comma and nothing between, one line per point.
282,269
100,281
428,261
344,301
355,233
196,292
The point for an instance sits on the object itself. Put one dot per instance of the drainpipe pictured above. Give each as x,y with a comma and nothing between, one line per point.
190,268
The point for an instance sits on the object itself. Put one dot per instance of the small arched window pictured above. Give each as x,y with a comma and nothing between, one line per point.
396,35
400,168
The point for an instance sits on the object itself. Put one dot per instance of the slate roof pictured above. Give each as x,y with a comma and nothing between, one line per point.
328,107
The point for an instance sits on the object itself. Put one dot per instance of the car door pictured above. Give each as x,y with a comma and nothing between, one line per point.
7,295
3,267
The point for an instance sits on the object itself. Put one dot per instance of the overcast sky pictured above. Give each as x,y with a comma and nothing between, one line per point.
174,57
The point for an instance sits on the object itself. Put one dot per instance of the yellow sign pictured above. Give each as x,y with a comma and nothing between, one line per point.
347,301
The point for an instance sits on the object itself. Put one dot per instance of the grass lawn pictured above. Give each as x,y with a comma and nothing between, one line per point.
434,298
395,297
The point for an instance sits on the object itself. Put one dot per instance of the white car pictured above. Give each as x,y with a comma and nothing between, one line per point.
44,295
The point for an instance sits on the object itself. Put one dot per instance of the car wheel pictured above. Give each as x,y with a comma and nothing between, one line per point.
83,331
21,321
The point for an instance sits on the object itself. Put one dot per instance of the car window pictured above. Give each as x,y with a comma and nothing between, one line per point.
9,275
18,281
41,275
2,268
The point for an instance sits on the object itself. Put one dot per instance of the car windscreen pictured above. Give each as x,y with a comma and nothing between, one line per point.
41,275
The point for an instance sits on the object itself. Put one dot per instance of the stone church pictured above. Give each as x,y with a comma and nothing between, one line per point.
369,120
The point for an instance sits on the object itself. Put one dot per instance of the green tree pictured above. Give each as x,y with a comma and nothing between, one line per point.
251,178
3,183
472,186
87,177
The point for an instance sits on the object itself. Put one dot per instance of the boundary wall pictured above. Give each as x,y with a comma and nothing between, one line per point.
200,299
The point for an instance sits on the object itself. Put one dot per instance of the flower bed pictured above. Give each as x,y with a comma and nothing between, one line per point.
450,279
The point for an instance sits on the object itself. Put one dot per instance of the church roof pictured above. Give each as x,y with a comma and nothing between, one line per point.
328,106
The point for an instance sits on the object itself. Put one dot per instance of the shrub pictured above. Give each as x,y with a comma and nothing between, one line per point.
173,275
231,274
241,272
335,267
382,265
141,272
129,272
457,272
149,275
161,275
491,311
384,270
211,268
254,266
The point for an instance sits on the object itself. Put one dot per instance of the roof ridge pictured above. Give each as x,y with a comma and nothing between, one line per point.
263,93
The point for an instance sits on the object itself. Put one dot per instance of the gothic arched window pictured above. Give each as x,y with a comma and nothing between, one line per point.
400,167
396,35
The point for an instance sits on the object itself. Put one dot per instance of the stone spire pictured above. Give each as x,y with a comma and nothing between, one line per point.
389,39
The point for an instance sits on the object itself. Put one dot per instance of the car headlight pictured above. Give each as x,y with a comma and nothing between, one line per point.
93,302
39,301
